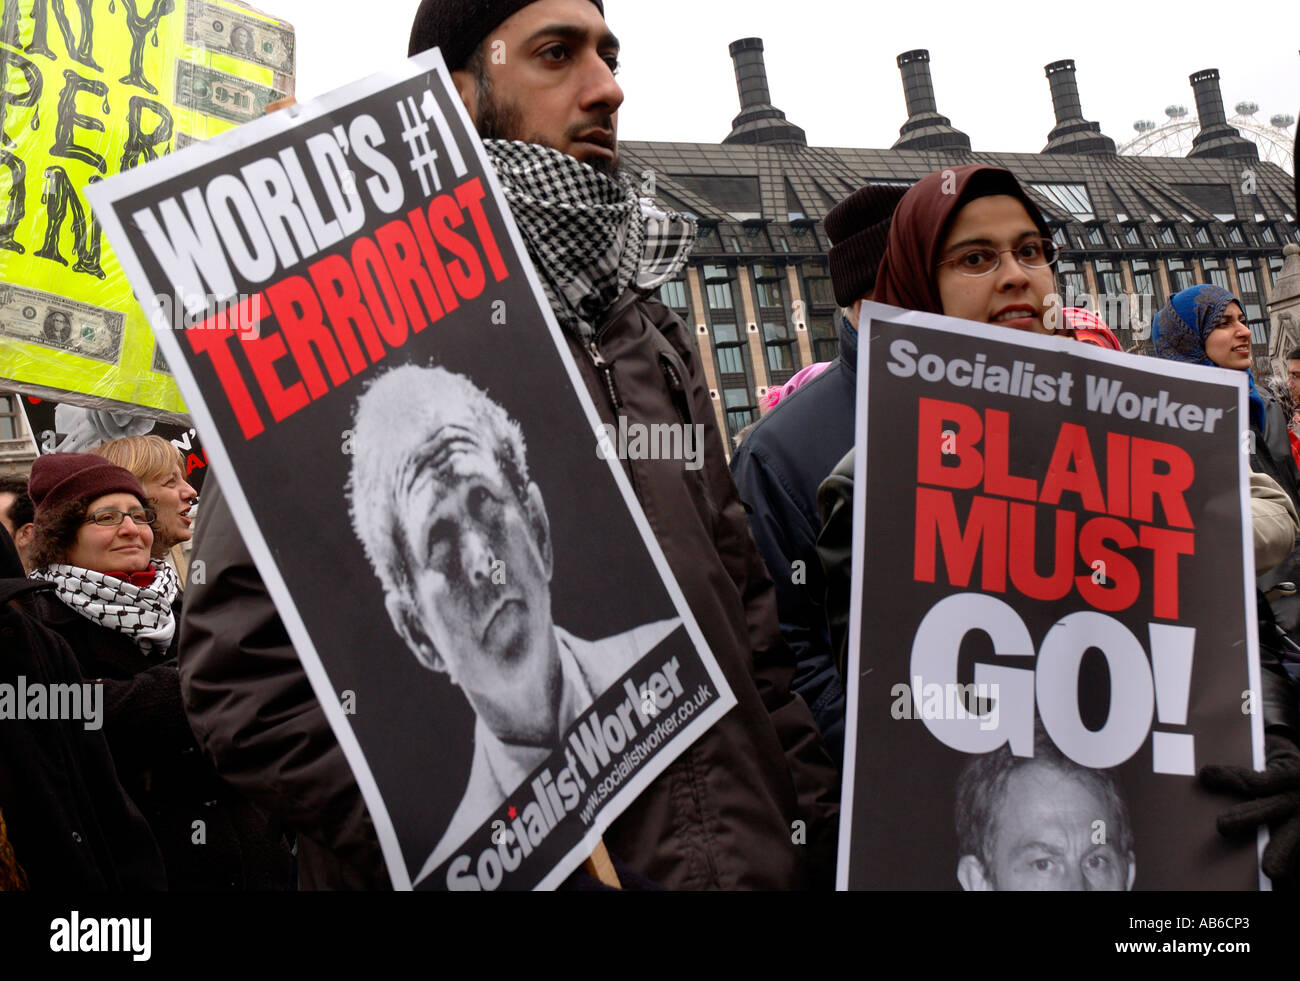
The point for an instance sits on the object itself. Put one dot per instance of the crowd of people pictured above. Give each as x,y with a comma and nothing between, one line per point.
216,767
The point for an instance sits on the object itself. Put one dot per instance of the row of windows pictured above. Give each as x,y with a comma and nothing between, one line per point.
1198,236
11,426
779,338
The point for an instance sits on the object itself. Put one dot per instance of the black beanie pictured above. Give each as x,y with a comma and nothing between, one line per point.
458,26
859,229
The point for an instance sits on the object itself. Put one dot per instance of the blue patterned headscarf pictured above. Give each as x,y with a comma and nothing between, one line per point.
1184,323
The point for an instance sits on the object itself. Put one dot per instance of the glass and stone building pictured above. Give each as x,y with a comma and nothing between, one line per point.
1132,230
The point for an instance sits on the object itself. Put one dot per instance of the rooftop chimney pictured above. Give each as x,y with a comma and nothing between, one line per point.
1216,138
1072,133
759,121
925,129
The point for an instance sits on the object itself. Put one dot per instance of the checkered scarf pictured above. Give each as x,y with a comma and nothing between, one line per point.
143,614
588,234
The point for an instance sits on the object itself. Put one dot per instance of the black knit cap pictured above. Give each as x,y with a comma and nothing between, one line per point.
859,229
458,26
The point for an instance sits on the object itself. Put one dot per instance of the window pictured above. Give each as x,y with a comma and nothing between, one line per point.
1110,282
1167,235
1060,236
740,409
1274,267
1235,236
1251,300
1095,236
1072,199
1147,284
720,297
730,361
770,295
1132,236
1201,235
10,428
1267,234
1216,274
673,294
1180,277
781,357
1072,281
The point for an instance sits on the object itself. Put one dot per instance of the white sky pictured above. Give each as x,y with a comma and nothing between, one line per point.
831,63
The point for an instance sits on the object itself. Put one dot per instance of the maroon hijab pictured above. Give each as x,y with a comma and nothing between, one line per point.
908,275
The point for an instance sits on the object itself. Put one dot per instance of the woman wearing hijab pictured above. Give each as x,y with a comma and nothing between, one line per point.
112,603
968,242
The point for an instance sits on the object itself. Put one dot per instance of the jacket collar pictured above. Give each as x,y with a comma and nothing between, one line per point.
848,346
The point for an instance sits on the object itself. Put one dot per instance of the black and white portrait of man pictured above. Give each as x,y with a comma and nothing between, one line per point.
1041,823
458,535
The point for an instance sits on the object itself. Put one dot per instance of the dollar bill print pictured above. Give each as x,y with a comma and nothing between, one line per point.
218,94
56,322
231,32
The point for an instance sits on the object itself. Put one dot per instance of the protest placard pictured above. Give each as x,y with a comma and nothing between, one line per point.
91,90
59,427
1053,617
413,460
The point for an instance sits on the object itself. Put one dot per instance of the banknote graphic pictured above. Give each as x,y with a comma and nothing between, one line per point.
231,32
225,96
62,324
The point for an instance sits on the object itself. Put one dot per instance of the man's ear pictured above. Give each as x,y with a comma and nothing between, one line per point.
1132,872
25,535
408,626
541,526
970,873
467,89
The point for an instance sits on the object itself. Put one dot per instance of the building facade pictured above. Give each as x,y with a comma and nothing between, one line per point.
1132,230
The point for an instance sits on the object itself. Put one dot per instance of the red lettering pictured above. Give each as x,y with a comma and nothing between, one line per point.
403,258
997,452
1117,451
1166,545
372,276
934,418
1168,486
337,286
937,529
295,306
263,352
1073,469
193,463
1121,586
470,195
1023,551
433,260
467,275
213,338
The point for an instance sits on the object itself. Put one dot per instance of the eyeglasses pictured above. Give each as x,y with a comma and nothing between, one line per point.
1032,253
112,517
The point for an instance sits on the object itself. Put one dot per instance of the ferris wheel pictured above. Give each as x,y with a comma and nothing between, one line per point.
1173,137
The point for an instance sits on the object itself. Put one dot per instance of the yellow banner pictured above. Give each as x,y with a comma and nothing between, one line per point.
89,88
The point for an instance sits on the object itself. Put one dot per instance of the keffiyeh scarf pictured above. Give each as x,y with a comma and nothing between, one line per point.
142,613
588,234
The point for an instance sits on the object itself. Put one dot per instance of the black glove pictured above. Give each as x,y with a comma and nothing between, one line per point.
1273,798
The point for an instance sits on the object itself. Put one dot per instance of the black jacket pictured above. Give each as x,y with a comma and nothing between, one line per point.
72,826
210,838
777,470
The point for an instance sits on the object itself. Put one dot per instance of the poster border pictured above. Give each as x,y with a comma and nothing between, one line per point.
103,198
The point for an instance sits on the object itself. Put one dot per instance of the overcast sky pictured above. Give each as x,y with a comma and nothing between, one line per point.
831,63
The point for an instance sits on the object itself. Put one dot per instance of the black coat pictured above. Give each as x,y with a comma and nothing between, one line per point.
777,470
72,826
211,838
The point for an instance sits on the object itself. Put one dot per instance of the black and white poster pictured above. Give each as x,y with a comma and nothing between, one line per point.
412,457
60,427
1054,600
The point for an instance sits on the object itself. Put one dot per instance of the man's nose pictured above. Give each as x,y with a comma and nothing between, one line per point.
600,88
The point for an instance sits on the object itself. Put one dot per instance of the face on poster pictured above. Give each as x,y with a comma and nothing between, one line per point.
1054,597
473,589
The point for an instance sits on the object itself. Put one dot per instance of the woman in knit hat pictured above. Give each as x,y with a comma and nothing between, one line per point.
113,605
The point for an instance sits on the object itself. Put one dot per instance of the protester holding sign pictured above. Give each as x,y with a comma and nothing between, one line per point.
753,803
113,606
961,225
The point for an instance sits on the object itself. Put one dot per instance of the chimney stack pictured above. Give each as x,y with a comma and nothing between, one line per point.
1072,133
759,121
925,129
1216,138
